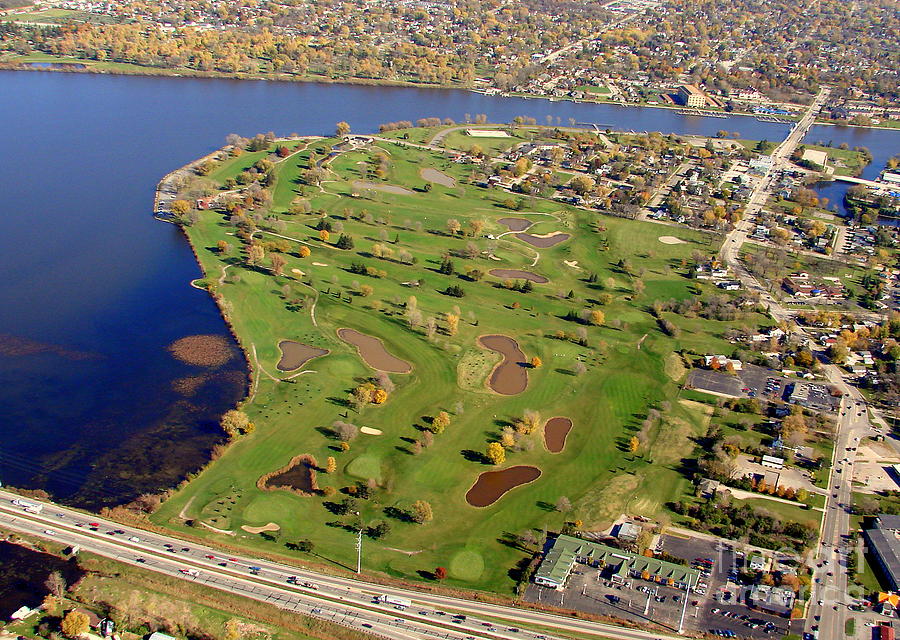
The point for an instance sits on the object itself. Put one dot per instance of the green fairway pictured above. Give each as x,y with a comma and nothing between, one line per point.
605,375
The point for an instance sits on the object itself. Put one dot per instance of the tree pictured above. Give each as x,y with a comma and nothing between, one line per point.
345,431
341,128
255,254
380,396
597,317
278,263
330,465
633,444
303,252
453,226
180,207
563,504
324,235
75,623
223,247
235,422
582,184
536,362
440,573
366,290
440,422
421,512
56,584
344,242
361,396
305,546
233,629
495,453
452,323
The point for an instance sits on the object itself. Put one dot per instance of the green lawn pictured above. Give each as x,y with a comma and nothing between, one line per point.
607,403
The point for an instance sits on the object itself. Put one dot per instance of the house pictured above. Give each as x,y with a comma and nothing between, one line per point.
772,462
771,599
617,565
158,635
796,286
690,96
721,362
729,285
756,563
628,532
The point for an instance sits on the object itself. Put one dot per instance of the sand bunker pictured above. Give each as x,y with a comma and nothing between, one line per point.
297,476
516,274
544,241
515,224
266,527
202,350
491,485
319,264
433,175
510,376
670,240
296,354
372,351
555,432
370,431
571,263
387,188
297,272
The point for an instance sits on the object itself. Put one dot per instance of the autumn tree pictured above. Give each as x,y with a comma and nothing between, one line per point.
56,584
495,453
255,254
379,396
421,512
452,321
440,573
596,317
324,235
235,422
180,207
536,362
440,422
633,444
563,504
330,465
453,226
75,624
341,128
303,252
278,263
233,629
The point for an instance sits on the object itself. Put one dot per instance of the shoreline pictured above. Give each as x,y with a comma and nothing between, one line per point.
374,82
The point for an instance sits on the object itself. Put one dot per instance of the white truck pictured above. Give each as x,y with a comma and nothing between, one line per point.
398,602
30,507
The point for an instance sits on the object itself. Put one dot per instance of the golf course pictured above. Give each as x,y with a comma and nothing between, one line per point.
406,335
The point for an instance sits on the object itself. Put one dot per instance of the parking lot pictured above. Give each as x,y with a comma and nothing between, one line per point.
722,606
752,381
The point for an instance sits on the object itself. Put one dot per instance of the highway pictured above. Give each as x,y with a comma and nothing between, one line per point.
345,601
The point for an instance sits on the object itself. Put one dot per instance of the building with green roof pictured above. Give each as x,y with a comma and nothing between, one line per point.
615,564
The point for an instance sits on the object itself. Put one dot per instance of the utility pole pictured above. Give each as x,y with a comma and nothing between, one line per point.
687,595
359,546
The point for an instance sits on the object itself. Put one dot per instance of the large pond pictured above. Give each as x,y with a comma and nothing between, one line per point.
96,409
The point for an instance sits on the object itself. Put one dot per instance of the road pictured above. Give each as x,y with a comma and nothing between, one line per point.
830,562
345,601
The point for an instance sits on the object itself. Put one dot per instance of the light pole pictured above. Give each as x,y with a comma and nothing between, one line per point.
359,544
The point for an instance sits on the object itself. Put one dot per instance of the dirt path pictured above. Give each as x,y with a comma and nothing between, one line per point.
641,341
404,551
187,505
221,279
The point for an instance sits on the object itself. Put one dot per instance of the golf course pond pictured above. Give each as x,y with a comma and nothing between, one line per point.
515,224
517,274
544,241
491,485
555,433
510,376
372,351
296,354
299,476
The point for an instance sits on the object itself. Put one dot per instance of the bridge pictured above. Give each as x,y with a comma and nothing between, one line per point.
869,183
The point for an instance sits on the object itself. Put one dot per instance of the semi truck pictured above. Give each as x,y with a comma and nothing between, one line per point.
30,507
394,600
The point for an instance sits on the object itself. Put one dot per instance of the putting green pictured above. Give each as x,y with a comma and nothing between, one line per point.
365,467
467,565
269,507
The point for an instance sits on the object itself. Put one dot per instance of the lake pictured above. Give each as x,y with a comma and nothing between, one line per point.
94,290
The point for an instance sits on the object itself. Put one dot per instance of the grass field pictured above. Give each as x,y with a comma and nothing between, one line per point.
607,402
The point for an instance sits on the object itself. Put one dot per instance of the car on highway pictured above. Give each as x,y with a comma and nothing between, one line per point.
134,539
49,532
190,572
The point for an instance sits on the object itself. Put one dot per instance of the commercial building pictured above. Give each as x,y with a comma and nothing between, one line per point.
883,541
615,564
691,96
772,462
771,599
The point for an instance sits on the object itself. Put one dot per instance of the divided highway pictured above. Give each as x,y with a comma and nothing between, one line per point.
345,601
